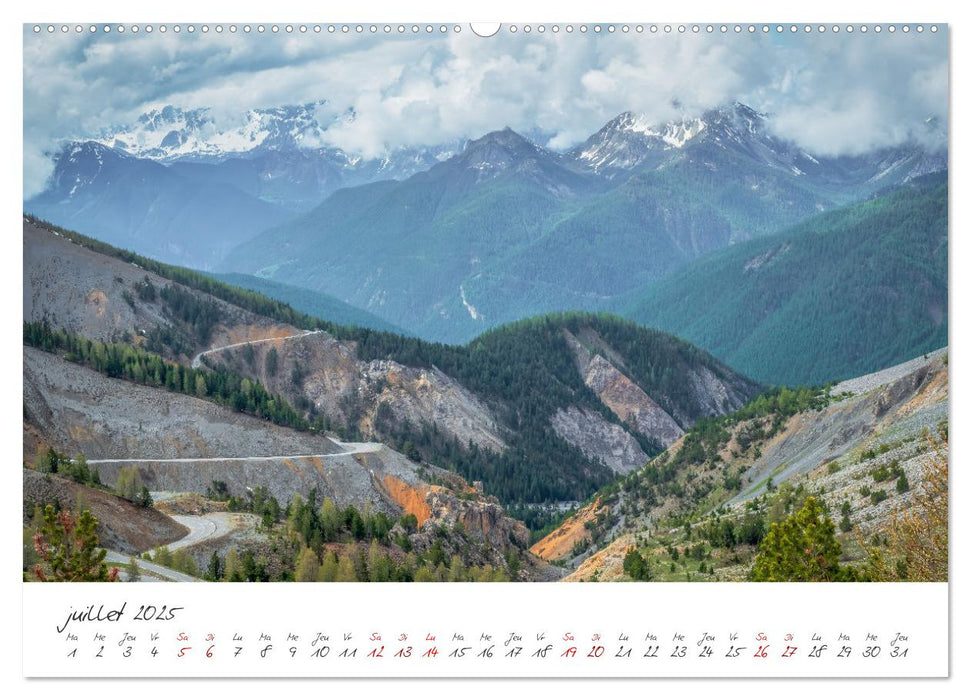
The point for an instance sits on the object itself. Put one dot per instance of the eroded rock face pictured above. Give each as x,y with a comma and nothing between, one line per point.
420,395
325,371
713,395
630,403
482,516
599,439
621,395
559,544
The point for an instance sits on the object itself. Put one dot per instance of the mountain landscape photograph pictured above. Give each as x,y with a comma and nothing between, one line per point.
409,306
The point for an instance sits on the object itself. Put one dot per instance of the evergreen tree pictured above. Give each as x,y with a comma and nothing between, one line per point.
215,570
68,547
636,566
134,573
803,547
272,362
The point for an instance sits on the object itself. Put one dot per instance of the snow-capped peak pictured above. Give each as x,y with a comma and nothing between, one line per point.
674,133
171,132
630,138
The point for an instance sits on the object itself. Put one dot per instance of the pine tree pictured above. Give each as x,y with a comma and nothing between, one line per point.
215,570
636,566
68,546
134,573
803,547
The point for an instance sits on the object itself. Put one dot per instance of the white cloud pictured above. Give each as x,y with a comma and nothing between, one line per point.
831,94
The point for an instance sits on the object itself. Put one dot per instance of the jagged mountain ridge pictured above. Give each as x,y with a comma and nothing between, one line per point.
274,165
507,229
277,154
629,142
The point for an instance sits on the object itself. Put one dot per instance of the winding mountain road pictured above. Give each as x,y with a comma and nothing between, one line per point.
149,570
355,448
197,360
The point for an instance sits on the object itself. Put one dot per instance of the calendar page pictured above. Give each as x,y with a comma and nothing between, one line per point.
542,349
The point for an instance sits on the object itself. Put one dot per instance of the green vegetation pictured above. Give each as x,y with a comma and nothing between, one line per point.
798,307
914,544
194,315
311,542
251,301
50,461
67,546
802,548
696,473
637,567
134,573
180,560
524,371
129,486
547,237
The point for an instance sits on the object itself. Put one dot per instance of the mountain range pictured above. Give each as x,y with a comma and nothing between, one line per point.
176,186
507,229
450,241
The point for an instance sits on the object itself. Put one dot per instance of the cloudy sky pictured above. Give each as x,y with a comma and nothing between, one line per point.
831,93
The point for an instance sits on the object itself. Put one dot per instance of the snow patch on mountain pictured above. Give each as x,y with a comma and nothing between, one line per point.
473,312
629,138
674,134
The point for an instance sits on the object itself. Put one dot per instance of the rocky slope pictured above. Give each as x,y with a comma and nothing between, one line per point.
545,410
623,397
100,297
853,451
186,445
327,372
122,526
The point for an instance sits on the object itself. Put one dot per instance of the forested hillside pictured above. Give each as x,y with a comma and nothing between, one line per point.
844,293
309,302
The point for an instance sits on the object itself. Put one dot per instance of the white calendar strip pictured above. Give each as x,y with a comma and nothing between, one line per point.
456,630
